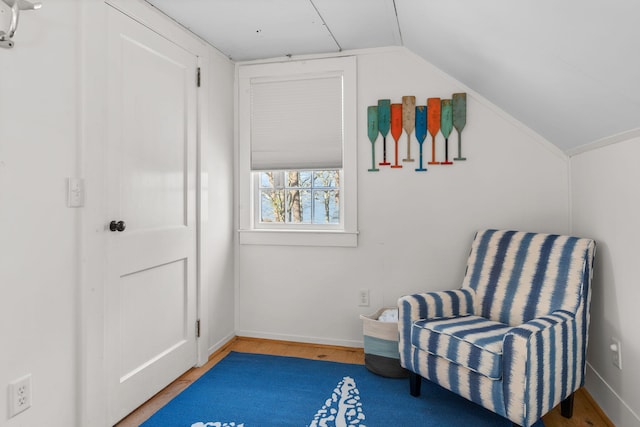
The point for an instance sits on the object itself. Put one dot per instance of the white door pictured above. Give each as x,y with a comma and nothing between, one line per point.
151,168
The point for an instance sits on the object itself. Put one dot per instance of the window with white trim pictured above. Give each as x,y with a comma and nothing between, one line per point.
297,152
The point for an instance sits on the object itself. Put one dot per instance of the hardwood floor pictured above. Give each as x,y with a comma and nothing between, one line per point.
586,412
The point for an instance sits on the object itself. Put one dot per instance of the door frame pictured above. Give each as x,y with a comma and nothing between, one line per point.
92,378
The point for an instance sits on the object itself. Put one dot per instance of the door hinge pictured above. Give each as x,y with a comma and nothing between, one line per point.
198,77
198,328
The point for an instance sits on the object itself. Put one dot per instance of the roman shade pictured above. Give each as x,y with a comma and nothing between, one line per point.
297,123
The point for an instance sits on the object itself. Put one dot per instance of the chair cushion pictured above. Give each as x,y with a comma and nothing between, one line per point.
470,341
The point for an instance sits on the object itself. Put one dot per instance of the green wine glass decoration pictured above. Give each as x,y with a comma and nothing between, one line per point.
446,126
384,123
459,119
372,130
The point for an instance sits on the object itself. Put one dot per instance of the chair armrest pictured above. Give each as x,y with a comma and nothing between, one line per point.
543,363
434,305
429,305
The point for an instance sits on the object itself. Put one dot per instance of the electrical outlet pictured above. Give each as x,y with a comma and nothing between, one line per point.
616,353
19,395
363,298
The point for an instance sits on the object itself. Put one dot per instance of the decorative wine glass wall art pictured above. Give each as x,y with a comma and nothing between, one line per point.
408,121
433,125
439,116
372,130
446,125
396,128
459,119
384,120
421,131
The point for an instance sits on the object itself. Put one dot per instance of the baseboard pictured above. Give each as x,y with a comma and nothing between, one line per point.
224,342
609,401
301,339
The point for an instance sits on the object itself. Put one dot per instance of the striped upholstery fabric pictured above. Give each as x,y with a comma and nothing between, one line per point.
470,341
513,338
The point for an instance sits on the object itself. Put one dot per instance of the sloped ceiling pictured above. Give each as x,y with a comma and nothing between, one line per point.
568,69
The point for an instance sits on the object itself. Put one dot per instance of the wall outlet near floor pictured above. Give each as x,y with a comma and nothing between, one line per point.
19,395
616,353
363,298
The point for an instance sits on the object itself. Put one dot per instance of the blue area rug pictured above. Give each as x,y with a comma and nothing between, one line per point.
251,390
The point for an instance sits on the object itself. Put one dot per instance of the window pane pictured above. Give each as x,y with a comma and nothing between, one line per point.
326,179
305,179
299,197
298,179
293,179
273,179
299,206
326,208
272,206
266,179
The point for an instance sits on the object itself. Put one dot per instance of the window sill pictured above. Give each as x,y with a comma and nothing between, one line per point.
299,238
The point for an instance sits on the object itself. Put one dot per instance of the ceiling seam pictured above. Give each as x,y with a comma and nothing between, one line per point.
395,9
327,27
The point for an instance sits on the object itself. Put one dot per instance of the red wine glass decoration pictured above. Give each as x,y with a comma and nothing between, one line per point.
396,128
433,125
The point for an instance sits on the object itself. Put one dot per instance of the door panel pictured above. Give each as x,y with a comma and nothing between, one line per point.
151,166
154,168
162,324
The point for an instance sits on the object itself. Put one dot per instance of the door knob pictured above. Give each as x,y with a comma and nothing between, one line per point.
117,226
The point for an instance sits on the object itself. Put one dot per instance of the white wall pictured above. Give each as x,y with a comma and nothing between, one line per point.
38,243
218,204
415,228
606,207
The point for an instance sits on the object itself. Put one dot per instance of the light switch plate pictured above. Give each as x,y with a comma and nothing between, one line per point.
75,192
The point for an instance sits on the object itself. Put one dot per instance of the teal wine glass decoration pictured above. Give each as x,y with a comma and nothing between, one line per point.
446,126
421,131
459,119
372,130
384,124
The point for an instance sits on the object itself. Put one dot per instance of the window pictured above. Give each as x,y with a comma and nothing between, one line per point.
299,197
297,152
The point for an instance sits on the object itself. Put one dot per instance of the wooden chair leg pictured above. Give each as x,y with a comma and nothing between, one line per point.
566,407
415,381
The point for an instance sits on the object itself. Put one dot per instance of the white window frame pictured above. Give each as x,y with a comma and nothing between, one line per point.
251,232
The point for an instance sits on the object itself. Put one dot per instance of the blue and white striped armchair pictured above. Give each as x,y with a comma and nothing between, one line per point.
513,339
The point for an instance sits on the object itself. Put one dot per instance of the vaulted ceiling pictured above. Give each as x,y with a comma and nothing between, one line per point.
568,69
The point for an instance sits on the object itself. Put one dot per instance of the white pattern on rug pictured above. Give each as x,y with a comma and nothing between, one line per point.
217,424
342,409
